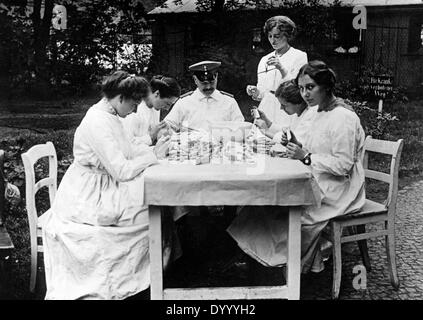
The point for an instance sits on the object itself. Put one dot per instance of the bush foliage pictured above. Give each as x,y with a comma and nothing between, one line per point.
376,124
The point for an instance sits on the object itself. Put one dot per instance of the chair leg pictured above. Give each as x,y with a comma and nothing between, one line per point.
362,245
40,279
390,252
33,276
337,260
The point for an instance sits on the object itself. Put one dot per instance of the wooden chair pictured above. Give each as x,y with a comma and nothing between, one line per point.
371,213
6,244
29,159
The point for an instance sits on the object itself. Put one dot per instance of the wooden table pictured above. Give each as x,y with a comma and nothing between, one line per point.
275,181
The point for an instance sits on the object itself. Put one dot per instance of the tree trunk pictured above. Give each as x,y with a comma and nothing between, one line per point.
41,39
218,5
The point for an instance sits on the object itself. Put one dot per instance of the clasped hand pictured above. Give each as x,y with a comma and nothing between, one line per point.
162,128
274,61
294,148
294,151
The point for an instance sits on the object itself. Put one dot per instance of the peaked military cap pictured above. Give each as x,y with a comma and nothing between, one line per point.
205,70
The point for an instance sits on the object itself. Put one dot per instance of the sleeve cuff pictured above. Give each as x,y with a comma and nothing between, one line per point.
152,156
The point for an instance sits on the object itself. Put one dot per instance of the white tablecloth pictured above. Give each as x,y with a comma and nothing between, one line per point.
283,182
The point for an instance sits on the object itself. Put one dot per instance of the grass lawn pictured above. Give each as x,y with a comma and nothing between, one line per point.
27,123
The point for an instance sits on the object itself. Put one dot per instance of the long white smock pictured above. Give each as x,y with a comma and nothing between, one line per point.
336,141
95,235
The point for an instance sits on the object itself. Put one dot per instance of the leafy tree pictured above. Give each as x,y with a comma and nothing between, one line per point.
39,57
26,36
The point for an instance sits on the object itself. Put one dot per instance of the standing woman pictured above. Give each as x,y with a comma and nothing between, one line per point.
143,126
95,235
334,151
276,67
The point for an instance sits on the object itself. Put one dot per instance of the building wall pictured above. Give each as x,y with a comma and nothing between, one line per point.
180,40
386,41
204,38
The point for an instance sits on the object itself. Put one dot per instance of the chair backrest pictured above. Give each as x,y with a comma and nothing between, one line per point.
29,159
393,148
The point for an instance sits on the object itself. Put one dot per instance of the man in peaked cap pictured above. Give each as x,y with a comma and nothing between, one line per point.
205,75
196,109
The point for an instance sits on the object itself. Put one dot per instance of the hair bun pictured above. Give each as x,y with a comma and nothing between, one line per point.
162,79
167,87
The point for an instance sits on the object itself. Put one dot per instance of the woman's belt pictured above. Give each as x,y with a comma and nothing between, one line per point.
91,169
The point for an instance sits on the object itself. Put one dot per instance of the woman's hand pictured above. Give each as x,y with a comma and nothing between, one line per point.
263,117
284,138
253,91
295,152
161,149
155,130
290,137
274,61
263,122
164,132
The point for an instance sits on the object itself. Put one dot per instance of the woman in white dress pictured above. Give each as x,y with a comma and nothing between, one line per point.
95,235
334,150
301,115
143,127
276,67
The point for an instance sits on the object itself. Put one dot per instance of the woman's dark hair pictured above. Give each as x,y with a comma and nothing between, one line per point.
125,84
290,92
168,87
320,73
284,25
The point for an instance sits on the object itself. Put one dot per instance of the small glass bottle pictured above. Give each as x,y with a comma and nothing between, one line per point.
255,112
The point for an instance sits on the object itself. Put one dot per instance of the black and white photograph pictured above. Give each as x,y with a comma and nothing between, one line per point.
229,152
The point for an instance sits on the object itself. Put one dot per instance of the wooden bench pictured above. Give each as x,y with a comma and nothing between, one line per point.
6,244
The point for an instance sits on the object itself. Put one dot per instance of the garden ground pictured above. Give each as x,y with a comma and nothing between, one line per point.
28,123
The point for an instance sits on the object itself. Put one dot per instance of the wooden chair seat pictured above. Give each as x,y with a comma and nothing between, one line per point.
371,208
